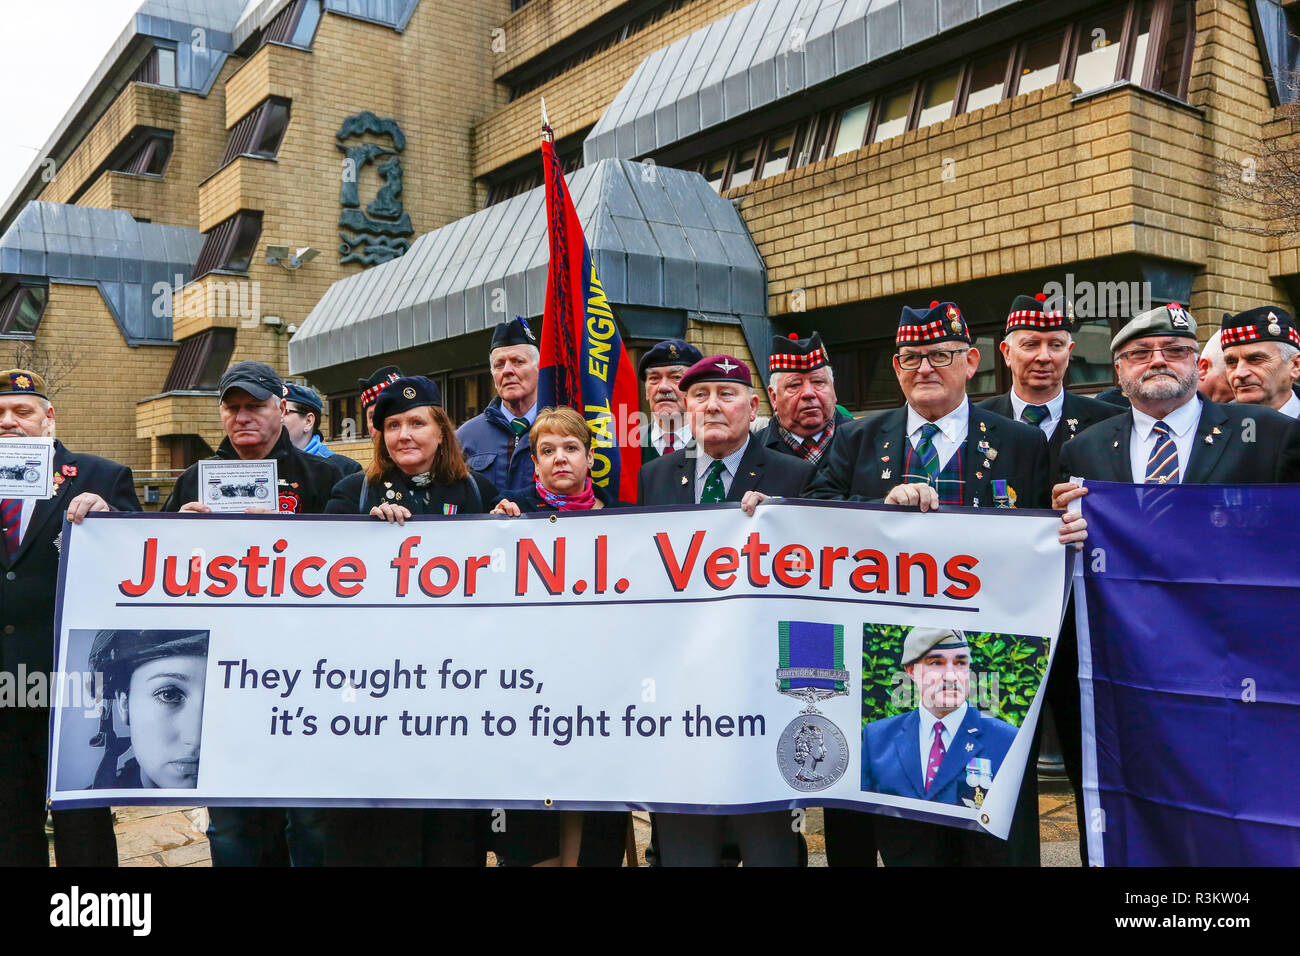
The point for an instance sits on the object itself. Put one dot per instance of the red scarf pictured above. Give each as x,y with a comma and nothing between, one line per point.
583,501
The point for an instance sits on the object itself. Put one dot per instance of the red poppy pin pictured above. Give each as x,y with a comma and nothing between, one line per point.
70,471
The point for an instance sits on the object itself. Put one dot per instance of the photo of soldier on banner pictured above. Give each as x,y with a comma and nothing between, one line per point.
142,712
942,708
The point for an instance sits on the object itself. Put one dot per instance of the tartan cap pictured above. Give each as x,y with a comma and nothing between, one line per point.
668,352
1035,313
922,640
717,368
19,381
1171,319
941,322
1263,324
793,354
376,383
514,332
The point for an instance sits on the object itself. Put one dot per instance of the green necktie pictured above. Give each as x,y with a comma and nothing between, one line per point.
713,491
926,451
519,427
1035,414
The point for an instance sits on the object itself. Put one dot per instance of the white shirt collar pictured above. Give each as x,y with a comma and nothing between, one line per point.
1292,407
680,437
1180,420
954,425
730,463
1055,405
950,724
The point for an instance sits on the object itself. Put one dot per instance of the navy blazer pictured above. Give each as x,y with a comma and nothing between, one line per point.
891,756
1272,455
1078,414
670,480
868,456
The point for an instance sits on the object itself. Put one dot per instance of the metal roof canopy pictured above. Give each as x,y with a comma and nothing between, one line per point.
762,53
125,259
660,238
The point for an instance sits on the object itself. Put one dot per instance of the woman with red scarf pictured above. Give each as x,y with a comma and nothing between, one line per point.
562,457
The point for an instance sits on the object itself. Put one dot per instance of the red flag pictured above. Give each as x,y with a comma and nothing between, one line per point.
584,364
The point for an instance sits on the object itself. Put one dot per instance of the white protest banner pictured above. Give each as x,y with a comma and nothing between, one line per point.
693,660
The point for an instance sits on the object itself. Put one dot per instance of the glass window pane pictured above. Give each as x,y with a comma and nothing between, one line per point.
778,154
1090,362
985,381
277,119
936,102
1042,64
893,115
241,256
1169,71
987,80
713,170
1140,48
743,172
306,28
1097,49
166,67
853,128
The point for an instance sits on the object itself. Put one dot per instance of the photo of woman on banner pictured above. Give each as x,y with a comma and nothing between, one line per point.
560,440
941,708
152,687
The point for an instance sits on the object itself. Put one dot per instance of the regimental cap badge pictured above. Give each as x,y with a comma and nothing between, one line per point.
727,366
1273,327
1177,316
22,383
954,318
672,350
408,392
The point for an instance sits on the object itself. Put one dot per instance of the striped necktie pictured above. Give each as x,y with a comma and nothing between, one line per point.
11,515
1035,414
518,429
928,453
1162,466
668,442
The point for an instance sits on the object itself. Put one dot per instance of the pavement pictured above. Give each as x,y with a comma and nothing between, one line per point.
168,836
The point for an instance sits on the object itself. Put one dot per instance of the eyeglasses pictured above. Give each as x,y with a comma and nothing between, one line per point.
940,358
295,411
1171,353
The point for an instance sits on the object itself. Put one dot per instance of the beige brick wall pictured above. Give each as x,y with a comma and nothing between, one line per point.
97,373
543,23
713,338
577,99
247,183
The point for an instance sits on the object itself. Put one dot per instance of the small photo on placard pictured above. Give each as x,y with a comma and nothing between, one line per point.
236,486
26,467
133,709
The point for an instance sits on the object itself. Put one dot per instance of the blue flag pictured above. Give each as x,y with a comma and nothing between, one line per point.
1187,619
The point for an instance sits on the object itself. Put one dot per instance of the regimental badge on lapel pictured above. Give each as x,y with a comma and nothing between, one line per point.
391,494
992,454
980,474
885,473
58,482
58,542
1209,439
1004,496
683,479
1074,425
983,427
983,446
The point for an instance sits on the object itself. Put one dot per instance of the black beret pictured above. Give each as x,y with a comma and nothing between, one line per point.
1033,312
1264,324
403,394
793,354
514,332
668,352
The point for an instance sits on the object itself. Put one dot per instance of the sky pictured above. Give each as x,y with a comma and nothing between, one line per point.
48,51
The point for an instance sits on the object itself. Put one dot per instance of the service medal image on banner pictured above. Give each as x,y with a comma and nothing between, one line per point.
679,660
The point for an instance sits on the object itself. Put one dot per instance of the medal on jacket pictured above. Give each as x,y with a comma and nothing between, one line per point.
1004,496
811,752
979,772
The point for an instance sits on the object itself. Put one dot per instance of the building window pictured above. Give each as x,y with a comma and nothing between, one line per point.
892,116
22,302
570,161
939,97
1040,63
987,83
159,67
468,393
259,133
295,24
342,409
145,155
1098,44
228,246
1174,65
853,128
200,360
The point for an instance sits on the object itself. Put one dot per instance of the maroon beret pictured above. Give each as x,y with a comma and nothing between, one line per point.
717,368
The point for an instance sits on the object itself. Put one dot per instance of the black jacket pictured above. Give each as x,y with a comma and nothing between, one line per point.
305,480
771,435
30,580
345,499
1102,452
670,480
868,458
1078,413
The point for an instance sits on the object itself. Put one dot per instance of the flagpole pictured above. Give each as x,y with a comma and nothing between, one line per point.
547,132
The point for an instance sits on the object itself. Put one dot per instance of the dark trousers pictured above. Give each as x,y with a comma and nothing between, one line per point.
415,837
81,837
850,837
699,839
269,836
